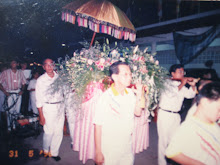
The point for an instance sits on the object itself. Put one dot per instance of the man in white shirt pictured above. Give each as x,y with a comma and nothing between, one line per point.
51,113
171,100
114,118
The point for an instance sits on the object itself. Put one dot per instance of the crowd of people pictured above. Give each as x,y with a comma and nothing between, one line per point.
17,90
195,141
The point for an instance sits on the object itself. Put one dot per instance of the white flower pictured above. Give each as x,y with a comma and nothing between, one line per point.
114,53
135,49
145,50
151,59
102,54
157,62
122,59
151,81
102,60
134,67
90,61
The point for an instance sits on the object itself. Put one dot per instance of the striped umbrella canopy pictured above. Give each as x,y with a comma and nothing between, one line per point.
101,16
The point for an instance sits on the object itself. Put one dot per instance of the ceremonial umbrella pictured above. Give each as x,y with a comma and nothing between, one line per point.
101,16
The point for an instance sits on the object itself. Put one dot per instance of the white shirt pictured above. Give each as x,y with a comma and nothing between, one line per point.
43,91
115,113
197,140
172,98
32,85
27,75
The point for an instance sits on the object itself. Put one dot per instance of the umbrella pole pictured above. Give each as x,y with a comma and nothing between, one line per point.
93,37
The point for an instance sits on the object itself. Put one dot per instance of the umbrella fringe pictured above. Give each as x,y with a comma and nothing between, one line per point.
99,26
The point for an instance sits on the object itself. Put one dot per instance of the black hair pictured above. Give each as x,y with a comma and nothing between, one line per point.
35,71
23,62
174,67
14,59
45,60
114,67
210,91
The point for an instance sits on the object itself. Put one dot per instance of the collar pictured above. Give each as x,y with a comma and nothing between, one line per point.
115,92
195,118
55,75
12,70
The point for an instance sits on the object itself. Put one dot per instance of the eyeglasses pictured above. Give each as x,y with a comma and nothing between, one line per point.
50,64
180,71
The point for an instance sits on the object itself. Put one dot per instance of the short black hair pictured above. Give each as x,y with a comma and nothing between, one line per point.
210,91
113,69
34,71
14,59
174,67
45,60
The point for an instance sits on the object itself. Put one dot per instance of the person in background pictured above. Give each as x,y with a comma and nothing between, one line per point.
51,112
13,81
114,118
197,141
193,108
172,96
2,95
31,89
27,72
25,96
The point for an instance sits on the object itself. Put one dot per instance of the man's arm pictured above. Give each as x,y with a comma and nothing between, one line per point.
99,158
191,81
183,83
3,90
185,160
42,119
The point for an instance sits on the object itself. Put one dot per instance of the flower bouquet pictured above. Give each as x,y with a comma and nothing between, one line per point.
91,65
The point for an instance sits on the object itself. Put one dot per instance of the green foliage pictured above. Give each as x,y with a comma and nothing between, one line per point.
92,65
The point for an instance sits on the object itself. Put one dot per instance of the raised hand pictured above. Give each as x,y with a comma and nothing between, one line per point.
139,87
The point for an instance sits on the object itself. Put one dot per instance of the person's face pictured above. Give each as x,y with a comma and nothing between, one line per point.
36,75
24,65
124,76
13,65
178,74
211,109
48,65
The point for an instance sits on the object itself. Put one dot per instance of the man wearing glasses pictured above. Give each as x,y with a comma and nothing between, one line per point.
50,111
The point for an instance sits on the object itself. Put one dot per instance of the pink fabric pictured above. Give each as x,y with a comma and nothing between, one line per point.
140,137
83,140
91,90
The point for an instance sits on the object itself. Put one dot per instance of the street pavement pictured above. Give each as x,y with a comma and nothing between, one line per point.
26,151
